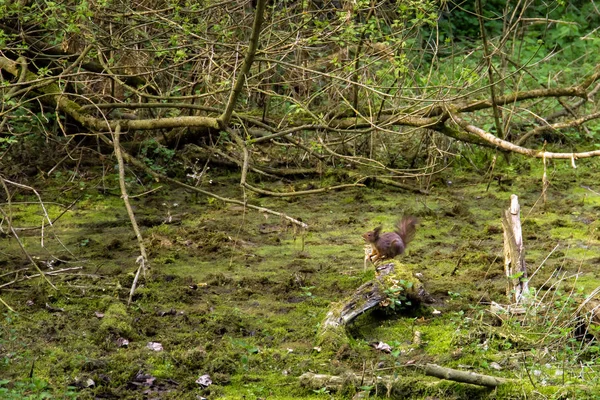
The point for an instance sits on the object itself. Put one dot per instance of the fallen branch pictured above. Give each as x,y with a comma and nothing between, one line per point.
509,146
461,376
28,277
556,126
234,201
301,192
391,384
137,163
572,91
6,305
393,183
572,107
14,272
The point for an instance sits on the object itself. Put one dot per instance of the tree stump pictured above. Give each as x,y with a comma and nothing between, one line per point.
390,289
514,251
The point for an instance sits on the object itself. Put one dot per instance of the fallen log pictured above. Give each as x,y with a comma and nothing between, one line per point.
393,384
462,376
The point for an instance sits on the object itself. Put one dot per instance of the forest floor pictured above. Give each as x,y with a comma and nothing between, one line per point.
239,295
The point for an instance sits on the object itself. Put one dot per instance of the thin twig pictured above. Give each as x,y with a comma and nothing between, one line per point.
6,305
302,192
144,257
31,260
14,272
137,163
28,277
20,185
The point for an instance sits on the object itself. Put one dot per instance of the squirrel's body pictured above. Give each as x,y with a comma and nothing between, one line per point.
391,244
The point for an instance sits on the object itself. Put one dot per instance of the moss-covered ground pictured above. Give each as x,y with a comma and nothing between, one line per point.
239,295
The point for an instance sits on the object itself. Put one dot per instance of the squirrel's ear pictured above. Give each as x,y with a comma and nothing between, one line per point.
377,230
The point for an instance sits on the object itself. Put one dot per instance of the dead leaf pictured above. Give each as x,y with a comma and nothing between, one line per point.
383,347
204,381
155,346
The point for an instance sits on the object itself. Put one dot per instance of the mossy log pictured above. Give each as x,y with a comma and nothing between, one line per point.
377,293
462,376
394,384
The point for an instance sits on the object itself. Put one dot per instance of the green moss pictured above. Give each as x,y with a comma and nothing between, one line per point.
115,323
438,338
332,338
161,366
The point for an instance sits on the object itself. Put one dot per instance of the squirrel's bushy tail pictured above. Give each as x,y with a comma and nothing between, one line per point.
406,228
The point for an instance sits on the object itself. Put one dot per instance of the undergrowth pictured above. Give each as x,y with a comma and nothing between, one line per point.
240,296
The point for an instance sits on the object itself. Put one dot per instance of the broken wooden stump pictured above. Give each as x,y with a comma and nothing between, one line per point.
588,314
514,251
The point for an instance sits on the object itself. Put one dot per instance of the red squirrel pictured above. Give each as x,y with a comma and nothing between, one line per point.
391,244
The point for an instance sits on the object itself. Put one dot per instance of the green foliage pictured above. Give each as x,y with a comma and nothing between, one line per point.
157,156
346,59
459,20
7,140
307,291
396,299
116,323
322,390
32,389
24,119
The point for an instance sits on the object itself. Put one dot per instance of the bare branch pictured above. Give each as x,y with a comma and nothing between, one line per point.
22,246
138,164
508,146
245,68
143,259
559,125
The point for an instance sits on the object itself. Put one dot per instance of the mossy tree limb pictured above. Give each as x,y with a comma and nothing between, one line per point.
52,95
332,333
394,384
